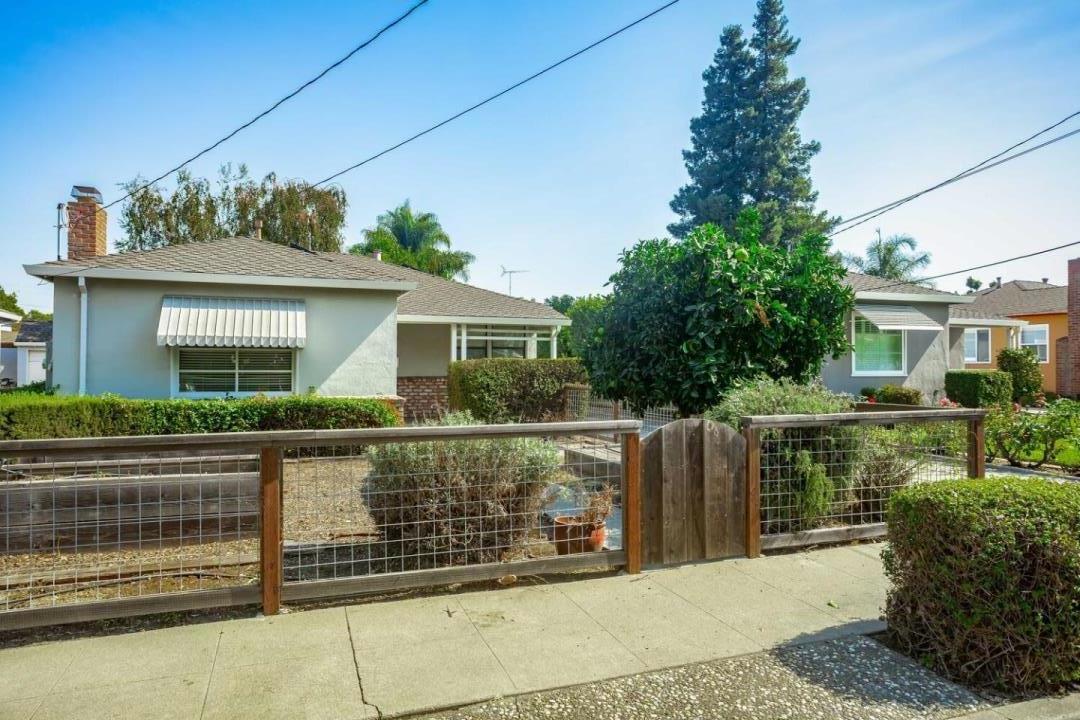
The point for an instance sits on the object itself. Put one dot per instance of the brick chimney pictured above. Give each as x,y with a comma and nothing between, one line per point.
1072,358
86,223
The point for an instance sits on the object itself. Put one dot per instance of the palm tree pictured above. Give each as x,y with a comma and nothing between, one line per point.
415,240
893,258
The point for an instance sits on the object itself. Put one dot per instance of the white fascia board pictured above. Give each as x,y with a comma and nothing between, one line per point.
483,320
44,271
29,344
913,298
7,315
987,322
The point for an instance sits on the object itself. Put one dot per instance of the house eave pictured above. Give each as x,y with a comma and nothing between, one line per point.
483,320
914,298
27,344
987,322
48,272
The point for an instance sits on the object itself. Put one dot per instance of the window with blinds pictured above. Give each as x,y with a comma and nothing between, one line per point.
234,370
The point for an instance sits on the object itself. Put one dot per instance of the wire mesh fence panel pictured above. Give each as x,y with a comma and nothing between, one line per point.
424,505
85,529
581,403
836,475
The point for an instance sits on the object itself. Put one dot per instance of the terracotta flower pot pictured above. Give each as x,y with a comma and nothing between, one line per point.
574,536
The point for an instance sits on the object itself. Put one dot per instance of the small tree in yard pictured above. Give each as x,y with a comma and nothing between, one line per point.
1023,365
687,319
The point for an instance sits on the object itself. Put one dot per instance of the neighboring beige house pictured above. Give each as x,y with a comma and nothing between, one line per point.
242,316
31,348
1039,315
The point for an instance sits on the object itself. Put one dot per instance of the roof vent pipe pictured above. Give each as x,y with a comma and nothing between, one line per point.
377,254
1046,281
258,229
999,281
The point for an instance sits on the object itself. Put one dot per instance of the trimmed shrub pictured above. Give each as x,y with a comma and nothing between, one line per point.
898,395
804,470
502,390
986,580
458,502
1022,364
869,392
25,416
979,388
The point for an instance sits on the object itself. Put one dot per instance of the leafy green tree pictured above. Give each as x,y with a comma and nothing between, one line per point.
561,303
39,316
196,211
894,258
586,315
973,284
10,301
688,319
415,240
746,149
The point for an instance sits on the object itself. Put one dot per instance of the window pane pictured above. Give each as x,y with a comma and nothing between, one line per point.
476,349
505,348
971,345
207,382
977,345
878,350
266,382
266,360
207,359
983,350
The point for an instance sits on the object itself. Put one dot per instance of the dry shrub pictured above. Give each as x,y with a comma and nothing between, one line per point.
458,502
986,581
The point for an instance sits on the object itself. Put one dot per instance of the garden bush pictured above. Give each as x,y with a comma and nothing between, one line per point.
458,502
898,395
986,581
1022,364
1026,439
978,388
804,470
502,390
24,416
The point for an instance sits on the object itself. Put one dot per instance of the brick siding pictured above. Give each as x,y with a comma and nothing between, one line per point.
1071,359
425,397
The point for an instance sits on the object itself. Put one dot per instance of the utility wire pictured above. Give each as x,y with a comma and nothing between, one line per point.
323,73
496,96
974,169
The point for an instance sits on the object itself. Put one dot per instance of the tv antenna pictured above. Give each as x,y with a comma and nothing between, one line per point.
510,275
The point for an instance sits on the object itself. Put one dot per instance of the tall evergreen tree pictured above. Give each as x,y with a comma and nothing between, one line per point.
745,146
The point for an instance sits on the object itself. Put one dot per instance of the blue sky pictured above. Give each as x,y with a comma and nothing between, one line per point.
561,175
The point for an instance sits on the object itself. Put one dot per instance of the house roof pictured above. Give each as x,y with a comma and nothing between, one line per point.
34,331
869,283
242,257
1022,297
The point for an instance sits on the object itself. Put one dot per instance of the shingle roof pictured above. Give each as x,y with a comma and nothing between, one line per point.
870,283
1022,297
247,256
34,331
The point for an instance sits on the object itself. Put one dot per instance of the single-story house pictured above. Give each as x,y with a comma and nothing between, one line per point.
31,348
9,328
241,316
902,334
1043,310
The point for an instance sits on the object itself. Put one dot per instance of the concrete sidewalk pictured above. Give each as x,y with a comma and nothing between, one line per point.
423,654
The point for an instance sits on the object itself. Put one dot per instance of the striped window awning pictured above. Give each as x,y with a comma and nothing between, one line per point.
231,322
897,317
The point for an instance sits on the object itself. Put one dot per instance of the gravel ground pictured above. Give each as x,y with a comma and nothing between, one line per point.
853,678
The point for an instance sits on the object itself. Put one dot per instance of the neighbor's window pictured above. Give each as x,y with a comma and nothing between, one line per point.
877,351
1037,337
241,370
977,345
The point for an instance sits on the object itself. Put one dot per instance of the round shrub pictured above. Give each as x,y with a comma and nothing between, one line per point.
986,580
504,390
458,502
899,395
1022,364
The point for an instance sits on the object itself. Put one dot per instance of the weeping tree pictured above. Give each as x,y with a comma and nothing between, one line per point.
197,210
416,240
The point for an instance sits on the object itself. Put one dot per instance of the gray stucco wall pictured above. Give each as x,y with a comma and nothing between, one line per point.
423,350
928,354
351,337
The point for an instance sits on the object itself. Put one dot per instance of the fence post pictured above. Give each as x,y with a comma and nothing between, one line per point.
631,520
976,456
270,571
753,490
615,410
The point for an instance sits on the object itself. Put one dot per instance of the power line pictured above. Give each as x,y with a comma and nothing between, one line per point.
217,143
497,95
973,170
974,268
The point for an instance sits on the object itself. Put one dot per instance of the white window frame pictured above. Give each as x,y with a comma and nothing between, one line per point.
1046,329
176,392
989,346
878,373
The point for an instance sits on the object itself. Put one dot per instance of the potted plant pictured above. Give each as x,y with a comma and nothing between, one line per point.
586,530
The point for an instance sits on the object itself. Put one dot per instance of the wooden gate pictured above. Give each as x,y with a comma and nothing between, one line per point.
693,492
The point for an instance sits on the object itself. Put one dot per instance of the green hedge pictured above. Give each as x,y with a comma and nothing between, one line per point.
986,580
1022,365
24,415
978,388
501,390
898,395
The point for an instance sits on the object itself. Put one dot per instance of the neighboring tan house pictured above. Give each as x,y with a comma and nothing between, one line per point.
241,316
1042,309
31,348
900,334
